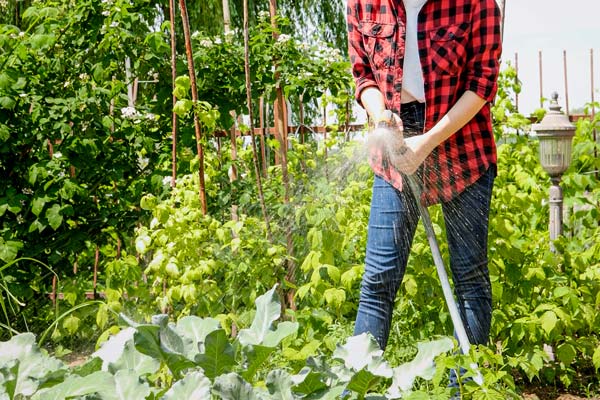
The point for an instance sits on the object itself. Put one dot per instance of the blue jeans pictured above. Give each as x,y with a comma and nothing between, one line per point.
392,223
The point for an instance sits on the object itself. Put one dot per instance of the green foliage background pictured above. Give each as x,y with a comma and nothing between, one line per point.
82,170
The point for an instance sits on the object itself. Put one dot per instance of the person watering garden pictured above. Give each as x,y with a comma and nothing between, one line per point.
434,64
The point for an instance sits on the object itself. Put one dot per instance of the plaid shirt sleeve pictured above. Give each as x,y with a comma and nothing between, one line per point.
484,50
361,66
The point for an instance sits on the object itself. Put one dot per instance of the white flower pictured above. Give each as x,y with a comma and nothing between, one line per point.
150,116
106,13
21,34
129,112
283,38
27,191
195,34
84,76
263,15
114,24
57,155
166,181
206,43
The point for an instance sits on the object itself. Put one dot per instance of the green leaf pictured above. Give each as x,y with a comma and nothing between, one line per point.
147,339
308,381
363,351
279,384
218,356
193,386
233,387
255,356
133,360
362,382
421,366
74,386
284,329
268,310
127,386
29,365
596,358
7,103
193,330
335,297
182,107
9,249
548,321
566,353
71,324
4,133
54,217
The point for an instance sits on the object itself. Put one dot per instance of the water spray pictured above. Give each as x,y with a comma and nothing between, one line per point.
388,138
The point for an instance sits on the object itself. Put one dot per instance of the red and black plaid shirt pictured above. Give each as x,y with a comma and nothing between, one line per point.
459,47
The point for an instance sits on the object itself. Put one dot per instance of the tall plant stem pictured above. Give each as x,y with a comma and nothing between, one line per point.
249,104
192,73
173,76
281,134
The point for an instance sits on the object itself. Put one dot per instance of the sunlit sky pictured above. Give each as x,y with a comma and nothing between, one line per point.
553,26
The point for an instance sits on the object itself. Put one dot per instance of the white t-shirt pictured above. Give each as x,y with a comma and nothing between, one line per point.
412,82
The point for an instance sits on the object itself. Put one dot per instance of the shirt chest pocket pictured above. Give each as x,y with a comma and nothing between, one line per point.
380,42
448,48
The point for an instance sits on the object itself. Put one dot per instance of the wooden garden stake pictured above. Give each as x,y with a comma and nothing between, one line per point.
192,74
173,76
281,134
261,196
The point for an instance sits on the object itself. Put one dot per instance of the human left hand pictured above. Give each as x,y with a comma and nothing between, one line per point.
416,149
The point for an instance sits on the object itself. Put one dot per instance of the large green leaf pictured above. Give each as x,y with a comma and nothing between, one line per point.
268,310
218,356
111,350
127,386
308,381
193,331
233,387
363,381
279,384
74,385
133,360
284,329
29,367
362,351
193,386
421,366
255,357
147,339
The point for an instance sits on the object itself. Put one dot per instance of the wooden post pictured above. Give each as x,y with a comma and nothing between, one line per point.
281,134
192,74
263,136
594,133
226,16
261,196
173,77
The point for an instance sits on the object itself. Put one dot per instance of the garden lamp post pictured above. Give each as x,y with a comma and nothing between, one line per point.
555,134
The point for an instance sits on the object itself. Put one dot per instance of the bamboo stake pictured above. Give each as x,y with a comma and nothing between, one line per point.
192,73
173,77
226,16
249,105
